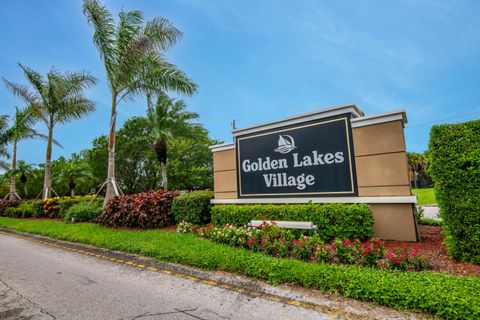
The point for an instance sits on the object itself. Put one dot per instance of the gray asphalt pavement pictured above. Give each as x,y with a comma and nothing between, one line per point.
40,282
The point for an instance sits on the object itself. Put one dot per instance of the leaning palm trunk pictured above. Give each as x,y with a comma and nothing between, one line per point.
47,181
13,192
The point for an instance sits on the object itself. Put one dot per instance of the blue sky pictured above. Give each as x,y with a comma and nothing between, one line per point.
257,61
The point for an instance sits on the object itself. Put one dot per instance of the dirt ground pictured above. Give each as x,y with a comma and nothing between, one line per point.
432,248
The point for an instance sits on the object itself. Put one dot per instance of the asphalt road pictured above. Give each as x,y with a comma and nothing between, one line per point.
40,282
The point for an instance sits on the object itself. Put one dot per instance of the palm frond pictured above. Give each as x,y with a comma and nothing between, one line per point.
104,35
162,34
21,91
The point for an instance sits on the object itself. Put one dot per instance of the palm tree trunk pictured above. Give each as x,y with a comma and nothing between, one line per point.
25,190
13,192
163,169
47,182
111,184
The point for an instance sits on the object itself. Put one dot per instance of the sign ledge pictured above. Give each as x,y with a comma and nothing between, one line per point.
368,200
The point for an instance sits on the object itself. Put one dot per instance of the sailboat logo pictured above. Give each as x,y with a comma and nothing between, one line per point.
285,144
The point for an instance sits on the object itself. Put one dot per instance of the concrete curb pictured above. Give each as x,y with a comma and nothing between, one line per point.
335,306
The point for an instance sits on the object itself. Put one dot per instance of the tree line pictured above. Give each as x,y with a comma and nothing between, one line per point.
132,51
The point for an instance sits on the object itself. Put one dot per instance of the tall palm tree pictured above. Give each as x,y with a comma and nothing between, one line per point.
132,53
168,119
75,172
56,98
3,141
21,129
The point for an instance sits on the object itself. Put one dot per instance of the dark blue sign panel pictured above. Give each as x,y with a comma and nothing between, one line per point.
308,159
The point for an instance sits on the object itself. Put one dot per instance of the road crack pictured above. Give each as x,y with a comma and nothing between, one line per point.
35,305
177,311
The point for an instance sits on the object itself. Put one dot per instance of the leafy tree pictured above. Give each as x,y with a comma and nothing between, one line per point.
133,55
167,119
190,162
56,98
21,129
74,173
136,162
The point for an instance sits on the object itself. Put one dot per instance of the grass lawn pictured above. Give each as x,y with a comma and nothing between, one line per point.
425,196
451,297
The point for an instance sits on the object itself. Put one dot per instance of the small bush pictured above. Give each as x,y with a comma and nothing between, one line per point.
344,221
38,209
4,204
24,210
150,209
57,207
84,211
193,207
455,168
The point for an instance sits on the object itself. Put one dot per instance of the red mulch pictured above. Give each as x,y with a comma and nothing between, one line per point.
433,249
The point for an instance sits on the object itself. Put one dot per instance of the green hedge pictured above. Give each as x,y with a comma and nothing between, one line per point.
84,211
447,296
193,207
455,168
345,221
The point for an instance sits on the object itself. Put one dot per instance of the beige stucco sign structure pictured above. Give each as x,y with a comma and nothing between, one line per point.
333,155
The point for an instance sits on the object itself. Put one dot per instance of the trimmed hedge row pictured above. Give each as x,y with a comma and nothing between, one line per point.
193,207
344,221
447,296
454,151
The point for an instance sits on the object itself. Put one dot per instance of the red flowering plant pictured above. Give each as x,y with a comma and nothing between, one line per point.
371,252
269,239
305,247
403,259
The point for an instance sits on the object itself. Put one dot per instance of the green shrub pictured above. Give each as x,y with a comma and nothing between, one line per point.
84,211
4,204
455,168
344,221
150,209
38,209
24,210
193,207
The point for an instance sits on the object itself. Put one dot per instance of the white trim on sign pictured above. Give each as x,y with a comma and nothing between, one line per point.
371,200
380,118
311,116
222,147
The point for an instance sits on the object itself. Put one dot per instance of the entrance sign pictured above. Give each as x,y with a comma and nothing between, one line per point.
313,158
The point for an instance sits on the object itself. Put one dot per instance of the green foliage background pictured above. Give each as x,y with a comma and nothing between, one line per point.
455,167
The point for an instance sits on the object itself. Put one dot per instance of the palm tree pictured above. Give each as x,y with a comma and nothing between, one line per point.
21,129
56,98
168,119
74,173
3,141
25,170
417,163
132,52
